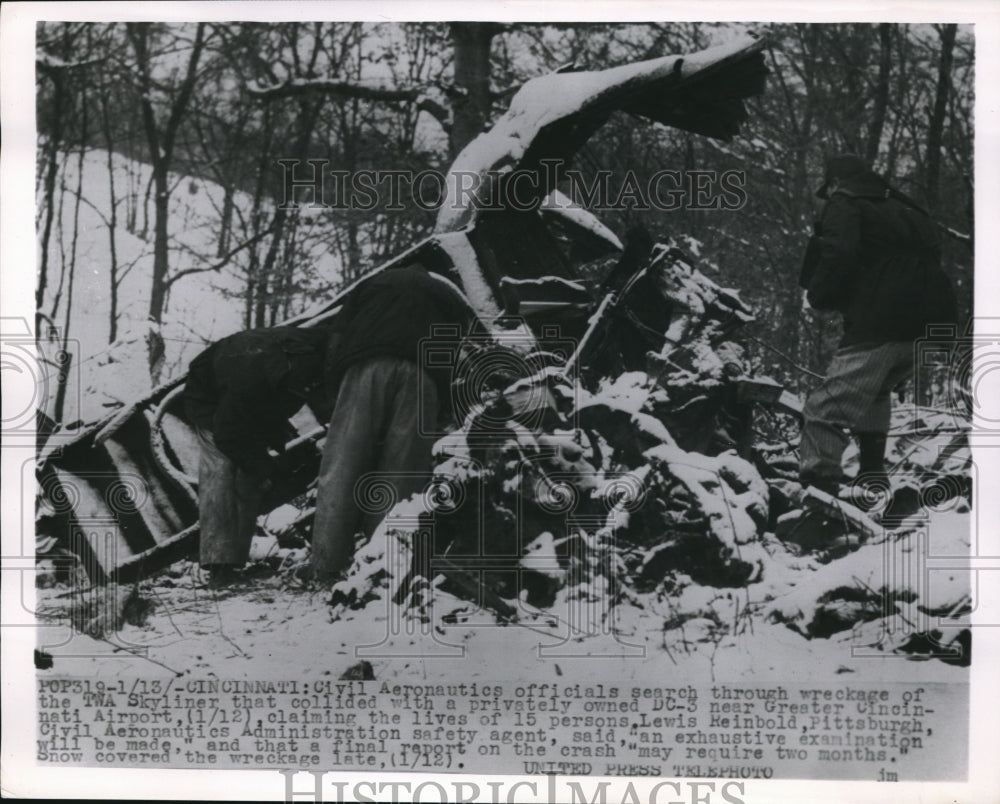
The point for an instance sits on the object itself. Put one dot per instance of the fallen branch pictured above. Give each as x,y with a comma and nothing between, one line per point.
141,565
478,592
836,507
472,585
962,237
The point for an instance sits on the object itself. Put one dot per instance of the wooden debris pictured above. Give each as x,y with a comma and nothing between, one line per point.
836,507
147,562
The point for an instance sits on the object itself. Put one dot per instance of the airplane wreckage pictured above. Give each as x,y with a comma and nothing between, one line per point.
610,375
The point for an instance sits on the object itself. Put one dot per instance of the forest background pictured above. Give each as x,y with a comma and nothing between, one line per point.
159,216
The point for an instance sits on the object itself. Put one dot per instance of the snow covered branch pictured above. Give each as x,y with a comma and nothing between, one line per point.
46,61
348,90
962,236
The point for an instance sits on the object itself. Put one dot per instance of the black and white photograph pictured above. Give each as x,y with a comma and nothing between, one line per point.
535,407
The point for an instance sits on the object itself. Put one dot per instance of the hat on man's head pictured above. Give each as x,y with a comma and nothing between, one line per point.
842,166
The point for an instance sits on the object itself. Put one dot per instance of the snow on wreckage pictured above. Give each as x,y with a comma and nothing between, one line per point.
604,459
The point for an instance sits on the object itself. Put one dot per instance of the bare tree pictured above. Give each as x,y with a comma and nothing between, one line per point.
935,128
881,95
55,64
161,139
473,101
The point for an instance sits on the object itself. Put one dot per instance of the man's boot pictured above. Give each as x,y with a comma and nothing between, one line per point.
221,575
871,486
871,453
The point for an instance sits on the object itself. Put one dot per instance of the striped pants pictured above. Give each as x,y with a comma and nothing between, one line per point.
854,398
382,430
228,501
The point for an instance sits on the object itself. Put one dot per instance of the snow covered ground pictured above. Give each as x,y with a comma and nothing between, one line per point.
257,630
864,614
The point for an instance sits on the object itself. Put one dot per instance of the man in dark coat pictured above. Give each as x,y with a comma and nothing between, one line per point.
875,259
388,401
239,395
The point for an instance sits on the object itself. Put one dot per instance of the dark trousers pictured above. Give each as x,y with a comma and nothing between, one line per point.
379,442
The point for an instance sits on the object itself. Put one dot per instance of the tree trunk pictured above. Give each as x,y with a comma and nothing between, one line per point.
225,225
935,129
471,110
112,221
307,117
881,93
161,263
66,356
267,269
852,43
161,146
51,170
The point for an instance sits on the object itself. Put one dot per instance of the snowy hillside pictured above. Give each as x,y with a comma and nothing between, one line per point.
201,306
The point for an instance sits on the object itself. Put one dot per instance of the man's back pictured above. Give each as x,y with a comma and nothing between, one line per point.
243,388
390,316
875,258
879,265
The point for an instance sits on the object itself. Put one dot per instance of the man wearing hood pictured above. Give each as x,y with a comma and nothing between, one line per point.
875,259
